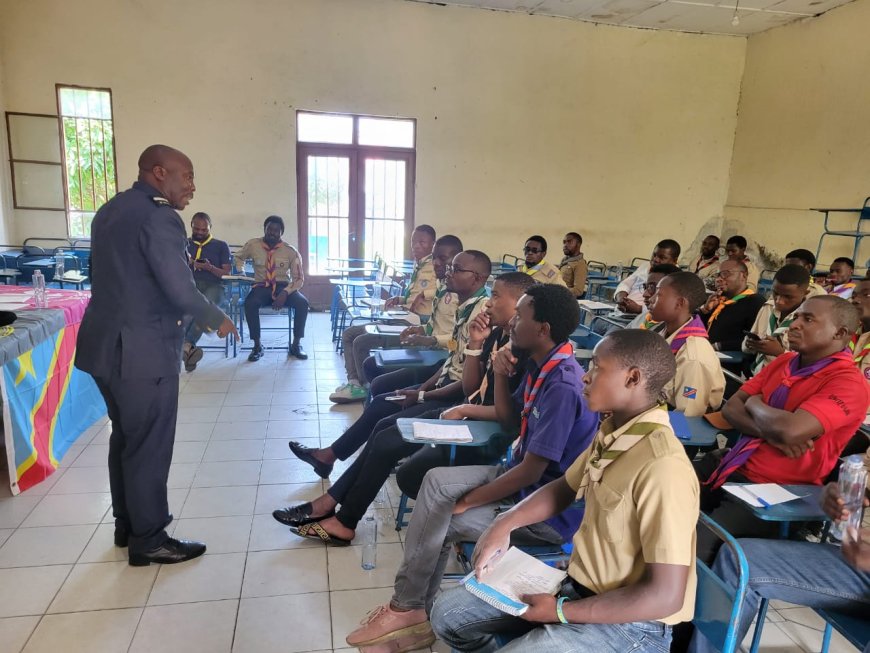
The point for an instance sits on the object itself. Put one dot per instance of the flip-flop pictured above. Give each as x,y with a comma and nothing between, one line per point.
306,455
192,358
314,531
299,515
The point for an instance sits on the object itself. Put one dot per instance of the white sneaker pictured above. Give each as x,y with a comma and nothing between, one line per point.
348,394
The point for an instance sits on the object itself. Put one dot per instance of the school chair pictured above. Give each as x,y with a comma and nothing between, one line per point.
854,629
717,604
857,234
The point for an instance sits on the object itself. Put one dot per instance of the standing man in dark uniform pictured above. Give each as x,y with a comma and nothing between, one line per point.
130,342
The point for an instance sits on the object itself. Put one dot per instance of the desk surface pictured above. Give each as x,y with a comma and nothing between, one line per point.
806,508
693,431
421,357
350,270
352,283
731,357
40,263
481,432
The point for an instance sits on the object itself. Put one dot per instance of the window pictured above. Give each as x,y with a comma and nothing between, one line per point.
88,145
355,186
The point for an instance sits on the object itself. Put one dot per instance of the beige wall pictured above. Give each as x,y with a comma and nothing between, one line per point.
5,177
803,133
525,124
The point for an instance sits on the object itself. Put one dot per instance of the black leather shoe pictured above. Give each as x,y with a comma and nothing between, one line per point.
305,454
121,537
168,553
297,352
256,354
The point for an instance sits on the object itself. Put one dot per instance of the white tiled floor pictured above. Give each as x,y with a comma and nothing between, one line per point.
65,587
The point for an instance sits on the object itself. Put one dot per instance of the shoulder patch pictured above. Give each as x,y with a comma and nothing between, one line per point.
160,201
690,392
424,283
551,274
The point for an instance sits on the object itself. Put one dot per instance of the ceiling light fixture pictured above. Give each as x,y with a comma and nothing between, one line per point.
735,20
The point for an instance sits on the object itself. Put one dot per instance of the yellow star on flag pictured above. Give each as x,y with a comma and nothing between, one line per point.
25,366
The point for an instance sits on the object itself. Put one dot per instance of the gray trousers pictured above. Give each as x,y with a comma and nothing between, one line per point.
434,528
357,344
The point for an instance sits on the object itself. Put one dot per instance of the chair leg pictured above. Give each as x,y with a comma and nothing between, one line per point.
402,511
826,638
759,625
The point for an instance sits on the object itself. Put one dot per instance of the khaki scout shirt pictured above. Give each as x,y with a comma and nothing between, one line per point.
465,314
574,271
544,272
440,325
288,263
699,384
423,281
644,510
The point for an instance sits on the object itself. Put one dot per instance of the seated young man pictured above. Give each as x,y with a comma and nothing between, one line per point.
707,264
629,292
859,344
573,266
457,504
466,276
807,259
429,272
359,485
535,266
818,576
735,248
699,384
839,281
631,576
732,309
790,286
796,415
644,319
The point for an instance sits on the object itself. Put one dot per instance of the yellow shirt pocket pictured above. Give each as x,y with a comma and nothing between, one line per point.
610,513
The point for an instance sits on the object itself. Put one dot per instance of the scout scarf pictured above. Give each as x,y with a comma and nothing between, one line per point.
199,246
419,264
461,318
440,291
858,357
531,270
648,322
748,445
692,328
270,280
727,302
706,263
842,288
533,385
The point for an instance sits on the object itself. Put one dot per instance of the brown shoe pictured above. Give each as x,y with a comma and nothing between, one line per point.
402,644
384,625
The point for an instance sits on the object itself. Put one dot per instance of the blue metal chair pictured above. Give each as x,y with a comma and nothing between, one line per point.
717,604
854,629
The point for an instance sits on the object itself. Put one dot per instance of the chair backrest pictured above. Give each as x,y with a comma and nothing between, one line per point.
717,604
510,259
599,267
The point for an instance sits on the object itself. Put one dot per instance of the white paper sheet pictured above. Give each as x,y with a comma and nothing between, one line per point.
594,306
442,432
754,493
390,329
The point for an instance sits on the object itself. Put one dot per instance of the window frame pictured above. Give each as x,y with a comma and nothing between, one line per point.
60,117
13,160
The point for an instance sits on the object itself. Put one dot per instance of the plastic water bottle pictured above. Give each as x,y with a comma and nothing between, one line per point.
381,498
370,542
39,289
852,482
619,271
377,298
58,265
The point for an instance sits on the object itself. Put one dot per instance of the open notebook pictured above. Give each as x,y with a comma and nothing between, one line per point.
445,433
514,575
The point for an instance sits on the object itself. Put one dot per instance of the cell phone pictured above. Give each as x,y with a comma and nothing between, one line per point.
751,336
394,398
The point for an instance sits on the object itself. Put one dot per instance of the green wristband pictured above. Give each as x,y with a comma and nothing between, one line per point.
559,612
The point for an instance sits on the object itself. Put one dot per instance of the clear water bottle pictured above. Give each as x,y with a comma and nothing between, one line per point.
369,536
853,484
39,289
619,269
377,298
58,265
381,498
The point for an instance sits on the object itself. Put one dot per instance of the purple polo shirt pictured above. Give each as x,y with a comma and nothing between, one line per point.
561,427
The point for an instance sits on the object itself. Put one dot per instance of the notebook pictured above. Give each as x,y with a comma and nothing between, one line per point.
680,425
400,356
514,575
389,329
447,433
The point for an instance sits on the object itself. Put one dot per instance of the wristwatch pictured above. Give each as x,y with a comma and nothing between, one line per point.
420,396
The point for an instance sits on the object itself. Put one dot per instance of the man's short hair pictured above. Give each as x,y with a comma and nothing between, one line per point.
740,265
648,352
714,237
199,215
690,286
739,241
846,260
519,282
575,236
672,245
450,241
539,239
426,229
556,306
793,275
480,261
276,219
845,315
665,268
805,256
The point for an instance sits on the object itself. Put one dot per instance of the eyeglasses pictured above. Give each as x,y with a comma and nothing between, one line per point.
532,250
452,269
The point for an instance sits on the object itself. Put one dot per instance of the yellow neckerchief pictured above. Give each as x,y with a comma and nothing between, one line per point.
199,246
728,302
858,357
531,270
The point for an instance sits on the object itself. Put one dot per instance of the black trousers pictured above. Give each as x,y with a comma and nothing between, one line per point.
143,414
261,297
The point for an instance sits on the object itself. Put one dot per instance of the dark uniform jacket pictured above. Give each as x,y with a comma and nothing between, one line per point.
141,288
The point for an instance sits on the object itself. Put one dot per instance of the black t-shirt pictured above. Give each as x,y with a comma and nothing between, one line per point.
728,328
498,338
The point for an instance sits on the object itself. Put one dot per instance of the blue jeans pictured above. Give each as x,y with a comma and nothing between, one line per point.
466,623
804,573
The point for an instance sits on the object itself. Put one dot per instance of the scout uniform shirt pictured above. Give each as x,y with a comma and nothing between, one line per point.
288,263
641,507
440,325
705,269
753,274
574,271
423,281
768,323
544,272
633,284
465,314
815,290
843,290
699,384
860,348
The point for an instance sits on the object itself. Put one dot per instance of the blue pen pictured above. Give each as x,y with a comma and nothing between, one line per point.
763,503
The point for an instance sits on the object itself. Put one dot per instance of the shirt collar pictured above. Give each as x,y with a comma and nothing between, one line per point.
532,366
656,415
147,188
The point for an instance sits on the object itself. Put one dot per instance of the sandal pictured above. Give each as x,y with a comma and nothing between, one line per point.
314,531
305,454
299,515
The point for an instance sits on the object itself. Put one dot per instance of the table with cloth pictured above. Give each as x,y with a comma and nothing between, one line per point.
47,402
